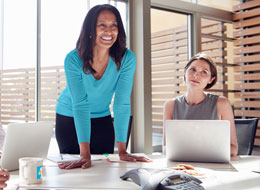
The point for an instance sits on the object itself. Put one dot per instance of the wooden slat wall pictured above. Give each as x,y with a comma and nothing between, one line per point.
53,81
247,54
17,93
169,57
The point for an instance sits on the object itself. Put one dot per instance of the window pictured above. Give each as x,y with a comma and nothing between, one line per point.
169,41
59,28
18,62
59,33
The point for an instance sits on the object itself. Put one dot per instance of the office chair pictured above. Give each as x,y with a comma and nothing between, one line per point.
129,129
246,131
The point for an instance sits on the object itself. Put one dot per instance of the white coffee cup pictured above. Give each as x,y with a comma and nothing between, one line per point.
30,170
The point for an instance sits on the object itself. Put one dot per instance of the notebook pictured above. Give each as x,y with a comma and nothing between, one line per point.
198,140
60,158
25,140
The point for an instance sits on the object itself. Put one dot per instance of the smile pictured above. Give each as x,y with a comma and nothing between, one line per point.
107,38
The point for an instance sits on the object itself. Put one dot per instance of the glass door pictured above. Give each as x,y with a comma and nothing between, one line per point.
169,46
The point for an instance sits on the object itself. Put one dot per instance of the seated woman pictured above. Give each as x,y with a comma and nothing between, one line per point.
196,104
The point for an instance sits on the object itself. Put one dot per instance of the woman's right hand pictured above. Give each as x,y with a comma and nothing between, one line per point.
81,162
84,161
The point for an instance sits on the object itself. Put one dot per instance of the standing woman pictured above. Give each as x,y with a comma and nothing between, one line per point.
100,66
196,104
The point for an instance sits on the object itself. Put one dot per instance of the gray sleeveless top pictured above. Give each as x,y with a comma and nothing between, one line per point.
206,110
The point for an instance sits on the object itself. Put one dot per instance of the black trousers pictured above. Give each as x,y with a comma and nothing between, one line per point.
102,137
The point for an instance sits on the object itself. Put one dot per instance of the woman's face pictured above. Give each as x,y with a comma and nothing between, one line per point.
198,74
106,29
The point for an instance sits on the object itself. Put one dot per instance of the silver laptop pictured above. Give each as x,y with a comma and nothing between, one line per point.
198,140
23,140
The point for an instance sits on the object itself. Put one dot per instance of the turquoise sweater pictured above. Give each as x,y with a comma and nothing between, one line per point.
85,97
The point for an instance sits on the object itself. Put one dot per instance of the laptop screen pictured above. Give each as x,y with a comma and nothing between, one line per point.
25,140
198,140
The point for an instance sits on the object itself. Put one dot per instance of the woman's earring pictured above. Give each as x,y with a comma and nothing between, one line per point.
90,36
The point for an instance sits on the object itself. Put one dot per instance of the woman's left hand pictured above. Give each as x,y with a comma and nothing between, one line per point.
81,162
132,158
123,155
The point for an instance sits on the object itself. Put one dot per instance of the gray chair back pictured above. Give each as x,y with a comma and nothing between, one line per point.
246,130
129,129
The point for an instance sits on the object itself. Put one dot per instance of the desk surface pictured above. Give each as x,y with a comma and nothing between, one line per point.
104,175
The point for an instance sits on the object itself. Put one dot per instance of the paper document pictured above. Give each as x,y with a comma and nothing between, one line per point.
60,158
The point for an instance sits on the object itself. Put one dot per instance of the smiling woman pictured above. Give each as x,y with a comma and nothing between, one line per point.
100,66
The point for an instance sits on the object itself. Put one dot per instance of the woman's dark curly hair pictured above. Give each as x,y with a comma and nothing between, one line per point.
87,38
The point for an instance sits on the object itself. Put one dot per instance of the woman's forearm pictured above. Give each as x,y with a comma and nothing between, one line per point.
121,148
85,150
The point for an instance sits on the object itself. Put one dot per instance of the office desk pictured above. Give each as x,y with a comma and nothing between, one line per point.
104,175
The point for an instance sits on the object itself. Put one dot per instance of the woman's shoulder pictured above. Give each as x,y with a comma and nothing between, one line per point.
129,60
223,101
72,59
72,54
172,100
212,95
224,107
169,103
168,108
179,98
128,56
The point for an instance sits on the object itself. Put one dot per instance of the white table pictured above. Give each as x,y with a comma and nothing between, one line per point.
104,175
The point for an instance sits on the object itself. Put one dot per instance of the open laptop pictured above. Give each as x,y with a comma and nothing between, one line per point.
198,140
25,140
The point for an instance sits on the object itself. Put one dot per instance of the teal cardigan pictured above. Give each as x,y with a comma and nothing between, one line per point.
85,97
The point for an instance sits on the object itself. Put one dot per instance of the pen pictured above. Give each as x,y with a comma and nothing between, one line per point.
107,157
